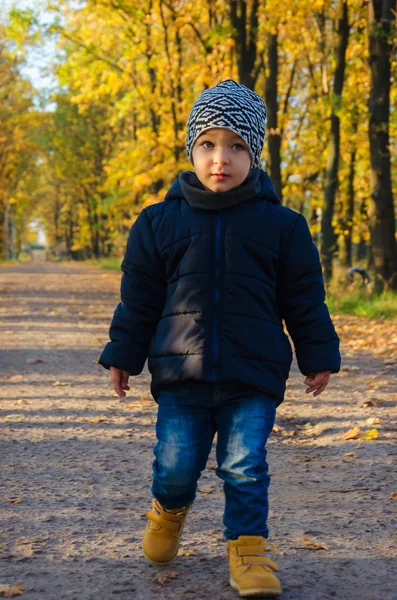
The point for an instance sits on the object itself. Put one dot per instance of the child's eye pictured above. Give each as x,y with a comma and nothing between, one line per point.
207,142
240,146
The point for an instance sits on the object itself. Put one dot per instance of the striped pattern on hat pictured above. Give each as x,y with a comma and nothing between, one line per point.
233,106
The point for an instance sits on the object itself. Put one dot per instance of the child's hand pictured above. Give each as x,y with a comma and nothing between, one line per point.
317,382
119,380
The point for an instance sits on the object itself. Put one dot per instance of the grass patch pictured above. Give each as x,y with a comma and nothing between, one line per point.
113,262
363,303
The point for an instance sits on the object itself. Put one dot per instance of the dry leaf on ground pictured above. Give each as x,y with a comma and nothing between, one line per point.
164,577
206,490
8,591
370,434
393,496
14,500
313,545
34,361
188,552
15,378
352,434
372,402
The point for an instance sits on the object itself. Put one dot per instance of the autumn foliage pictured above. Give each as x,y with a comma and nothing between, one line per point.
112,138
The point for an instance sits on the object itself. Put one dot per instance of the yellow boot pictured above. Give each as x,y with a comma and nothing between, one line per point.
162,535
251,568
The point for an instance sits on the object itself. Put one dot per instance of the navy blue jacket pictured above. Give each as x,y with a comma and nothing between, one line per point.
207,280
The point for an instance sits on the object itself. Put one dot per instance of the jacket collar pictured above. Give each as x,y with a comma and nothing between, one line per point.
257,185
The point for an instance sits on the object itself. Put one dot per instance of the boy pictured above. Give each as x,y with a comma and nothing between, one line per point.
208,276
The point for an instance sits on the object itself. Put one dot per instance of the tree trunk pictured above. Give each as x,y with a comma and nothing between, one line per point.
13,236
381,21
348,216
6,230
175,80
273,132
245,36
362,246
155,119
328,245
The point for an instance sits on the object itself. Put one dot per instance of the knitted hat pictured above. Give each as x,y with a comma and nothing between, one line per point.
233,106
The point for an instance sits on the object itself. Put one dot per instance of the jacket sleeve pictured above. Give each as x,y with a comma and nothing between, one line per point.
142,297
301,300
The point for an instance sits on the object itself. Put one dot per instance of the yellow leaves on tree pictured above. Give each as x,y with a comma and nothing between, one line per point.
115,140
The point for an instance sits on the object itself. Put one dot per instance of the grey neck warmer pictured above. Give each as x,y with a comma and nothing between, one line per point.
199,196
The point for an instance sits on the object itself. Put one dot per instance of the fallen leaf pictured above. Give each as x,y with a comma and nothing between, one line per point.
164,577
60,383
8,591
373,421
206,490
14,416
353,454
15,378
143,422
96,420
313,546
211,467
372,402
20,402
14,500
370,434
377,383
33,361
393,496
188,552
352,434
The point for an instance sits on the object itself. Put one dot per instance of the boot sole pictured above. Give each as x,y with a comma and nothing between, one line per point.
158,564
255,591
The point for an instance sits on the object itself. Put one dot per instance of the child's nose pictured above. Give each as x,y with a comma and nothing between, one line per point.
221,155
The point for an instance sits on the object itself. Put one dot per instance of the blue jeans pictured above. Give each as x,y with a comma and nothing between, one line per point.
188,416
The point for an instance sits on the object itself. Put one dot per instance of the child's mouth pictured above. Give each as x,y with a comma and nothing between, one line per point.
220,176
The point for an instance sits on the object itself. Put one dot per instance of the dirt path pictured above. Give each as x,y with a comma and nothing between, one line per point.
76,463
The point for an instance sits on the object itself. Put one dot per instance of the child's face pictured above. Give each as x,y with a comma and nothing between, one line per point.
221,151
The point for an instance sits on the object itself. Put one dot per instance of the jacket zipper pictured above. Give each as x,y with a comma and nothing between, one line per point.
215,348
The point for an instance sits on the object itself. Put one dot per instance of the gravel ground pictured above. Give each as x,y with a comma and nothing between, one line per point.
76,462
